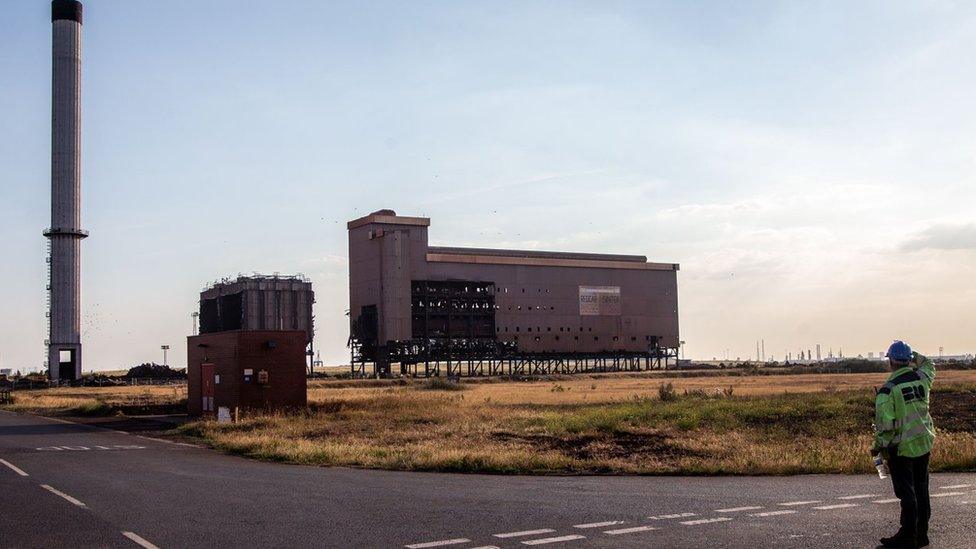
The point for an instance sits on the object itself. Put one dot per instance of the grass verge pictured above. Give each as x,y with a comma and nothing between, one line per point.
413,428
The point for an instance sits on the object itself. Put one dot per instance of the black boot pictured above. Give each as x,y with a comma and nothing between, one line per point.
901,539
923,540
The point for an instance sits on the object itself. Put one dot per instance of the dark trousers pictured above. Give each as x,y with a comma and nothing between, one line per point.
910,476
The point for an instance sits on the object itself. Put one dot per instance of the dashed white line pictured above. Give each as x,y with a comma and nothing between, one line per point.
672,516
524,533
543,541
773,513
14,468
891,500
837,506
632,530
705,521
440,543
598,524
860,496
139,540
955,487
947,494
795,503
737,509
63,495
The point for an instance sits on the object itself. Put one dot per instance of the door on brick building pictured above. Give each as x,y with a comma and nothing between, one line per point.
207,387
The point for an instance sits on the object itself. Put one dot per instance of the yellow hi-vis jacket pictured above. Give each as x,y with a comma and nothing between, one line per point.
902,417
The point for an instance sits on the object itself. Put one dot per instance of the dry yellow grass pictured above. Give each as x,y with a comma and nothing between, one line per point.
587,389
606,424
99,400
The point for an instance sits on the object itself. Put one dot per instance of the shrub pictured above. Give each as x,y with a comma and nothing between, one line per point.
443,384
666,392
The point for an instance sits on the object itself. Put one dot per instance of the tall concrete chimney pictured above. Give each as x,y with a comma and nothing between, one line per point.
65,233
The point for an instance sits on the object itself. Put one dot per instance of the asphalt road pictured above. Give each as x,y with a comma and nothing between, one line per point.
70,485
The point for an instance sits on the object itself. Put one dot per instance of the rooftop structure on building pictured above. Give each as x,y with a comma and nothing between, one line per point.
259,302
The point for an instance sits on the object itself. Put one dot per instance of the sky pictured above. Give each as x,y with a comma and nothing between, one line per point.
809,164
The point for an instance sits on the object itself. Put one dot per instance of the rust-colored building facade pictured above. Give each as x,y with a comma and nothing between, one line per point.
258,369
406,294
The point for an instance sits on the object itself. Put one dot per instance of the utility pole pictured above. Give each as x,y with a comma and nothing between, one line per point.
164,348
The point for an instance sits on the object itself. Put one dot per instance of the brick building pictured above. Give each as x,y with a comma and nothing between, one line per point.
257,369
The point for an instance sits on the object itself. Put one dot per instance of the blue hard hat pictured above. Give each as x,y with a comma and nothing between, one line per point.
899,350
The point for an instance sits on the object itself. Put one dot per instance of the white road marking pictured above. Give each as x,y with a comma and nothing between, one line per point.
955,486
672,516
168,441
543,541
139,540
737,509
892,500
524,533
837,506
705,521
598,524
14,468
632,530
86,448
62,494
860,496
773,513
441,543
947,494
795,503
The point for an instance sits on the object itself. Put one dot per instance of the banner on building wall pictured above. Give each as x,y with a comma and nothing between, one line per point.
599,300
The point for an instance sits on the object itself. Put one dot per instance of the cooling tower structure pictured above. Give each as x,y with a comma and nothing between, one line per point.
65,233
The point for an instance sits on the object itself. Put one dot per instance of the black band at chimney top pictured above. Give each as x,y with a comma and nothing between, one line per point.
66,9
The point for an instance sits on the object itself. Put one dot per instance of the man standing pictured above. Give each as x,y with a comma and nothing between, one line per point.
904,435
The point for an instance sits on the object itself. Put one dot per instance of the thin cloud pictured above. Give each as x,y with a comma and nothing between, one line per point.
943,236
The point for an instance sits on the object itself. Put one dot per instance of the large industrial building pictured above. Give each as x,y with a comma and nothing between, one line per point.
486,311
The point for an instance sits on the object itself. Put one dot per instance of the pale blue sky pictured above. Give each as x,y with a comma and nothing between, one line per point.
810,165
